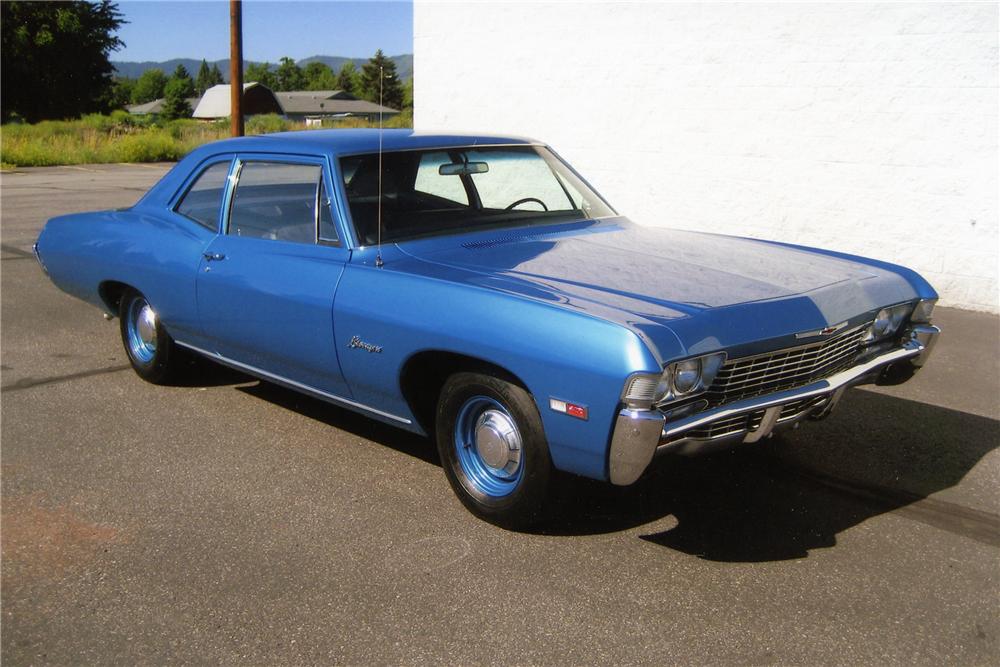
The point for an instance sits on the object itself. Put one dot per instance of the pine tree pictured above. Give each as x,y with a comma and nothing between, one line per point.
392,89
216,75
204,79
175,93
182,73
346,79
175,104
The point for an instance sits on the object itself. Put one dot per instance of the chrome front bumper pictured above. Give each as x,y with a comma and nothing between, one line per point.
639,434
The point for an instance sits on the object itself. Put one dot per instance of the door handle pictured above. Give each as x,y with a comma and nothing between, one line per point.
213,256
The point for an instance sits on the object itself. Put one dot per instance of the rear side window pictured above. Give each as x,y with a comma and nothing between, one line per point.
276,201
203,199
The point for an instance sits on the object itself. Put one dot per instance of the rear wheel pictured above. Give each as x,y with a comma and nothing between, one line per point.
493,448
149,347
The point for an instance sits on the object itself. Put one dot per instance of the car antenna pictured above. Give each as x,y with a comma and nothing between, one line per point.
378,252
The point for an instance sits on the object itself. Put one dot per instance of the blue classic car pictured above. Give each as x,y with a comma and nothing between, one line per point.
477,290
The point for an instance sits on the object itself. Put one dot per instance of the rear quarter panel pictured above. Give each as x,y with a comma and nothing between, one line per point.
152,253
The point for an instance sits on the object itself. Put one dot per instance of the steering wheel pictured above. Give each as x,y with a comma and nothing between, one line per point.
525,200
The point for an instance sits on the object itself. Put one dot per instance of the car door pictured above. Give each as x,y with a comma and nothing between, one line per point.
266,284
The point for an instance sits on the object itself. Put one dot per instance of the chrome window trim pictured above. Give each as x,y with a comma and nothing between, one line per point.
240,159
320,239
182,192
318,393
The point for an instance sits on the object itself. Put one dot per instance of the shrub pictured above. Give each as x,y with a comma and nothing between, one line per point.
267,123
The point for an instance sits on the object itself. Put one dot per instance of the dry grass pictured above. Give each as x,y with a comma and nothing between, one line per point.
121,137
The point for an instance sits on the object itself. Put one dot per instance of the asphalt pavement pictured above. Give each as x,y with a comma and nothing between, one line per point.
232,521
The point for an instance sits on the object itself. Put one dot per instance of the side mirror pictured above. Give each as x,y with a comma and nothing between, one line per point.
463,168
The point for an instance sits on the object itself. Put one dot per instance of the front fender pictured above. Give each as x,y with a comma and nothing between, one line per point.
555,352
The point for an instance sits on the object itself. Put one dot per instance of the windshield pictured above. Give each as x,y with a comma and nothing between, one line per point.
457,190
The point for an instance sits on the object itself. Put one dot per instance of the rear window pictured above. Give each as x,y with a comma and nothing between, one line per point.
203,199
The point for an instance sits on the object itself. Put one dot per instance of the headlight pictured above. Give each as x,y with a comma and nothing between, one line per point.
686,376
882,324
681,379
887,322
689,377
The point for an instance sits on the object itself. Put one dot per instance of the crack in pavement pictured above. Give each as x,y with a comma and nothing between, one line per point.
29,382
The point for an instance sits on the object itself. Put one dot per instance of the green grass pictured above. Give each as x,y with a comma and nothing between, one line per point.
121,137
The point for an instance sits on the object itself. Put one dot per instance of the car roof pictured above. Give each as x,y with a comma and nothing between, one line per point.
354,141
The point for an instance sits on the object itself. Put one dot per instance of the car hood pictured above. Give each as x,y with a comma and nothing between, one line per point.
683,292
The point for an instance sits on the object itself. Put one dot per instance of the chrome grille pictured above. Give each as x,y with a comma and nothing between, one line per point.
784,369
728,426
795,409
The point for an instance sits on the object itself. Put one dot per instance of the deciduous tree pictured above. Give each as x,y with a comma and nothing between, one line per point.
55,57
319,76
289,75
149,86
262,74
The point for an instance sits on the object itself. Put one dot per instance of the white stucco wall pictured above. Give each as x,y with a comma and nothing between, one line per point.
866,128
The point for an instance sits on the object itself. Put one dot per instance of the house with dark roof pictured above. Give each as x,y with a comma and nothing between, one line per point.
309,106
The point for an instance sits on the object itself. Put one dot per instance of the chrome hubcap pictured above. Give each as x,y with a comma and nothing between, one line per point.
146,325
488,447
498,441
141,327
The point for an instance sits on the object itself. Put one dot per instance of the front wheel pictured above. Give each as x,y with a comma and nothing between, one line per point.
493,448
149,347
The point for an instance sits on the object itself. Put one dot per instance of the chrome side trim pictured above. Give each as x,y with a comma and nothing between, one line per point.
292,384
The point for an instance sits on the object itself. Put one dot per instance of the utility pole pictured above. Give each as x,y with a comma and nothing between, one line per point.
236,66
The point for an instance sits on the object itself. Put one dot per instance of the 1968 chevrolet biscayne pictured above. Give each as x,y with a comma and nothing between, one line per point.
478,290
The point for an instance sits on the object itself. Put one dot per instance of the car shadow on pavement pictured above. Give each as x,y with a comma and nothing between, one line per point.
198,371
346,420
777,500
796,492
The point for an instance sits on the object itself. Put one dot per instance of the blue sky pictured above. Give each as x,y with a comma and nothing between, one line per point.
271,29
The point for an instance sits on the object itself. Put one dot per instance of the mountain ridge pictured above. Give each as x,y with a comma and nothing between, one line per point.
134,69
